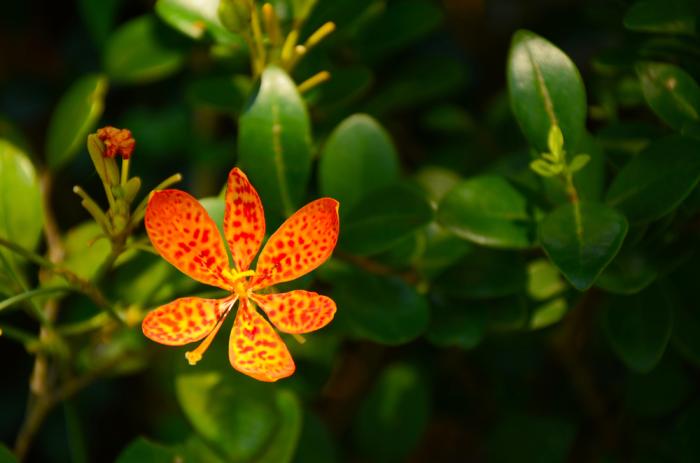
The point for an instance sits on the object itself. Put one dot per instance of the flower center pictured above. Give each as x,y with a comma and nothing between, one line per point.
238,283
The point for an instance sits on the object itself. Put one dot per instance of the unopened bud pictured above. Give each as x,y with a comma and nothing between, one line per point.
116,141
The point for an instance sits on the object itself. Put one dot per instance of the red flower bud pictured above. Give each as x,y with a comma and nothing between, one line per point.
117,141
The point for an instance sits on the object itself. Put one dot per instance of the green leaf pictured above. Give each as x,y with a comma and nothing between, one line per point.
639,327
6,456
74,118
397,405
142,450
385,310
581,239
483,274
579,162
274,139
21,219
315,443
543,280
143,50
399,25
671,93
440,250
488,211
662,16
86,248
223,93
657,180
99,17
436,181
358,157
245,420
302,9
383,218
630,272
548,313
456,324
545,89
196,18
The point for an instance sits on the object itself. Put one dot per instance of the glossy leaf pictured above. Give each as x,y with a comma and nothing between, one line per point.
75,116
545,89
488,211
21,220
241,419
196,18
582,241
630,272
358,157
655,182
671,93
589,181
382,218
144,451
398,405
143,50
274,144
484,274
639,327
381,309
662,16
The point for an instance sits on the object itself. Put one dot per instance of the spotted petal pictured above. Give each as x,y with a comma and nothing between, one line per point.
244,219
302,243
297,312
255,349
184,234
184,320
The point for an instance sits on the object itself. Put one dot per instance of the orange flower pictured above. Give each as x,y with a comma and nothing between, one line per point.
183,234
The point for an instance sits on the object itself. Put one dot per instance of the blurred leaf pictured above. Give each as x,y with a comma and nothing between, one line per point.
441,249
238,416
382,309
315,443
143,50
399,25
449,119
662,16
6,456
457,324
195,18
659,392
484,274
656,181
302,8
548,313
536,439
99,17
408,86
543,280
358,157
75,116
21,219
671,93
507,314
582,242
630,272
382,218
639,327
545,89
223,93
86,248
274,143
142,450
488,211
195,450
347,84
436,181
397,405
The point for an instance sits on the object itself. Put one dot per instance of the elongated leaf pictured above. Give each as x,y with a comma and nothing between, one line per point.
143,50
383,218
639,327
656,181
358,157
488,211
196,18
21,219
662,16
75,116
545,89
581,241
274,143
671,93
399,404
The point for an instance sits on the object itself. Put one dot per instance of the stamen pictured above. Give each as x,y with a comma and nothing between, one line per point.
196,355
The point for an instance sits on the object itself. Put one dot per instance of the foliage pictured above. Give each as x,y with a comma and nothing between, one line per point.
516,268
